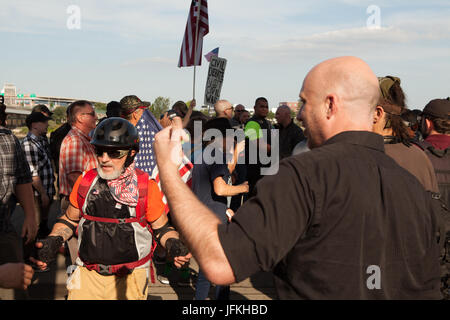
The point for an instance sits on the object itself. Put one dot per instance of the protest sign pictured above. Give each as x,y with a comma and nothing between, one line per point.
215,80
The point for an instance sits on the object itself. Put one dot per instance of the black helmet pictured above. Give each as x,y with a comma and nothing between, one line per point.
116,133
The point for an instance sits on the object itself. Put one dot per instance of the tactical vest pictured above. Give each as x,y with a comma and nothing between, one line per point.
441,163
112,238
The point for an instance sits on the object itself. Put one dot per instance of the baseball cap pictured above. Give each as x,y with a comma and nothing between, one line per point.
439,108
129,104
42,108
36,117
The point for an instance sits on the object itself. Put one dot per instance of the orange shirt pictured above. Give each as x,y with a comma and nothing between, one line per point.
155,205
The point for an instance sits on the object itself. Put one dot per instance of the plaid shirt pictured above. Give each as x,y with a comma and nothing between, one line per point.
39,161
77,155
13,170
44,142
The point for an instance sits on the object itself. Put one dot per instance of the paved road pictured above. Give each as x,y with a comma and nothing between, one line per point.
52,284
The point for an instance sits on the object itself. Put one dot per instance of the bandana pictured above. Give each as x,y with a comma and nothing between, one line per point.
124,189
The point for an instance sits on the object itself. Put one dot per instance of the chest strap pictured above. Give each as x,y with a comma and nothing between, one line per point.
118,269
110,220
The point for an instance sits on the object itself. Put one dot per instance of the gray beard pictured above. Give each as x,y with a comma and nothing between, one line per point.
111,176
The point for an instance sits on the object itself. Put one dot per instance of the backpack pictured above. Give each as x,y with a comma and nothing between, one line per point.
141,208
441,163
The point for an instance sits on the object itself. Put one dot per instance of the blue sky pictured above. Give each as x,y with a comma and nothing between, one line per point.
132,47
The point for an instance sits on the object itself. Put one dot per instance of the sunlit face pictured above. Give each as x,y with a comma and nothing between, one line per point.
229,111
88,116
110,168
312,114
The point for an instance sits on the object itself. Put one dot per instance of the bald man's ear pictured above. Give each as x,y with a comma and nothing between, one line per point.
331,105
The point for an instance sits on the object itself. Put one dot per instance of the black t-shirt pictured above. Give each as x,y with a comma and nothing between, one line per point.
332,216
56,138
203,176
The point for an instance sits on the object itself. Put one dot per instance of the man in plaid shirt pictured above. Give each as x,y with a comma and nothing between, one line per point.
15,179
41,168
42,108
76,154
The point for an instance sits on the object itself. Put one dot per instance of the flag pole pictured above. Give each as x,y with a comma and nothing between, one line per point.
195,45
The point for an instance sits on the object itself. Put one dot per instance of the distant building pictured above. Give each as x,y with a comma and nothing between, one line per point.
9,92
14,99
19,105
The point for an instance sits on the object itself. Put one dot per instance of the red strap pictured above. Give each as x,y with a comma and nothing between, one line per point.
141,207
152,273
84,186
118,269
101,219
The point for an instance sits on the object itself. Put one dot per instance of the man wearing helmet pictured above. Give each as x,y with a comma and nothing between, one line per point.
118,211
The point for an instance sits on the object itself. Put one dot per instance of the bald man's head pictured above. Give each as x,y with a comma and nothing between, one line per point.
283,115
339,95
223,109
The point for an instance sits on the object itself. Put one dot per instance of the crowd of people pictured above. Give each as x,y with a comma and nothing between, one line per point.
365,183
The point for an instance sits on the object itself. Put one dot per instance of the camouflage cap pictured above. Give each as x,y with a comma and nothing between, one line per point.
386,83
129,104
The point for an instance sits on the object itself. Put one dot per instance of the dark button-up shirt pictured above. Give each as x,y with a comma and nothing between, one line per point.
289,137
343,221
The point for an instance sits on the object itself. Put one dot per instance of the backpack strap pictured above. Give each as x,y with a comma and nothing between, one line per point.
83,188
438,153
141,209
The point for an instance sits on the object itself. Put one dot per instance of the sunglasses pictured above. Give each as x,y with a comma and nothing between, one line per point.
112,154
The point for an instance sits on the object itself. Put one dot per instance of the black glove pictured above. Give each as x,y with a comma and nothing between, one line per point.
176,248
50,247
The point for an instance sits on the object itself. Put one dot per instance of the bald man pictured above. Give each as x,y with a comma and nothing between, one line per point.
236,120
223,109
330,224
290,134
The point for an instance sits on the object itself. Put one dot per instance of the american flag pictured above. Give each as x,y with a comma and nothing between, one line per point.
212,53
187,48
145,160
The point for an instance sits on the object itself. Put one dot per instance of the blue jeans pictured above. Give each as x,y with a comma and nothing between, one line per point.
202,289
